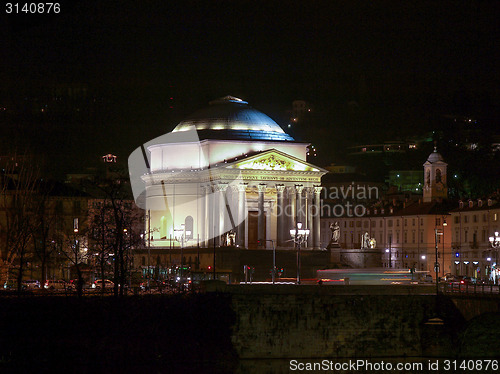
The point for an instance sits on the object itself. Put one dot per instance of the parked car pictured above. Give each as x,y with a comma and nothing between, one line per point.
9,285
467,280
98,284
449,278
55,285
427,278
31,285
73,283
460,281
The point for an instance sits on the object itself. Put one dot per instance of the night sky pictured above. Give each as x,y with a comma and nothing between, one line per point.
150,63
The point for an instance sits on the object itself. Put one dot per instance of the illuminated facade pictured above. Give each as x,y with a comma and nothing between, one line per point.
405,232
472,224
241,181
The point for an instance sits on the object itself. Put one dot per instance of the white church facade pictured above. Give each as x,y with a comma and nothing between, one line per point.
227,176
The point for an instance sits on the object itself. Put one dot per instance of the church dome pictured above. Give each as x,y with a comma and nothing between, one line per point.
435,157
233,119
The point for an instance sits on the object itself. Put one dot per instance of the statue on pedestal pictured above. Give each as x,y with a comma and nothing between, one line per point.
229,239
334,240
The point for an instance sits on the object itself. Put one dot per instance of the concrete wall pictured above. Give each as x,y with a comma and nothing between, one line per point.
330,322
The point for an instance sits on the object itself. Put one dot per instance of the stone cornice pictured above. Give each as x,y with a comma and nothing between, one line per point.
222,174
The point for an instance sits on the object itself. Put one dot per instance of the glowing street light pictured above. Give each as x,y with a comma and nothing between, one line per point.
181,235
495,244
495,240
436,264
299,236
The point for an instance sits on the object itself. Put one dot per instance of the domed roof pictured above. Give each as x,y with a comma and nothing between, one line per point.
435,157
232,118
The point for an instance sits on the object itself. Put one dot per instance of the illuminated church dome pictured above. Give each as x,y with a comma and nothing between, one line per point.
233,119
435,157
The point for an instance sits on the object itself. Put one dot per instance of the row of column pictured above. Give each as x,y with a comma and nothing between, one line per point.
220,213
294,204
298,204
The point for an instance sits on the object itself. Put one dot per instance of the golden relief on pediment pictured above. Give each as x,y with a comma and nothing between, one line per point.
271,163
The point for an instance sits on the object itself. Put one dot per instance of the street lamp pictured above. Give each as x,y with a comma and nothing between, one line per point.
181,235
436,264
299,236
149,233
390,251
495,244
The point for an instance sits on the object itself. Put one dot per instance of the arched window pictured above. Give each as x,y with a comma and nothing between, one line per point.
428,178
189,224
438,175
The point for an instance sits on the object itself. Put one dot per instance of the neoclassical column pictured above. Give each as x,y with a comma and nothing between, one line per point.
308,204
289,221
299,209
215,215
242,214
280,213
317,217
209,214
222,210
261,223
202,219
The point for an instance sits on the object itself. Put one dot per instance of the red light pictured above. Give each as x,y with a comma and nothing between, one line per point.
209,268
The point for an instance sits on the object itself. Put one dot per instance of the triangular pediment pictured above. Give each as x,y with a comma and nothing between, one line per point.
273,160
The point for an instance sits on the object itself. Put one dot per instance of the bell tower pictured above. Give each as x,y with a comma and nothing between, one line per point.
435,184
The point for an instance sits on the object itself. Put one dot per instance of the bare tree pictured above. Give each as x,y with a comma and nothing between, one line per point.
43,233
74,248
100,241
18,199
115,225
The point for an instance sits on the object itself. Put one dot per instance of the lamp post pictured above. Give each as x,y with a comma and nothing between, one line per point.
149,233
299,236
149,243
180,236
495,244
436,264
444,254
390,251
